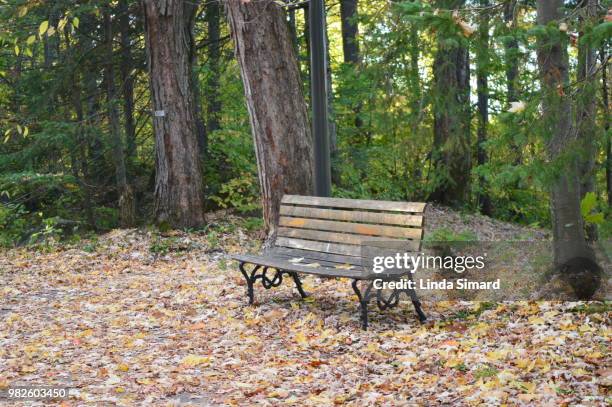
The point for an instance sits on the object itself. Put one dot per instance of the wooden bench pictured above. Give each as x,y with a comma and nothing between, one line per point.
326,237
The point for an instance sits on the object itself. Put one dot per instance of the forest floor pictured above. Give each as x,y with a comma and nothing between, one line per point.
136,317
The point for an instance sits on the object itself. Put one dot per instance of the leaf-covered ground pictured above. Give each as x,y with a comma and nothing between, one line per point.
135,318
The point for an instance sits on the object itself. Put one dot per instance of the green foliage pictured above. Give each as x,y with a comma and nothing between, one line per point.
588,207
13,224
447,235
58,161
240,193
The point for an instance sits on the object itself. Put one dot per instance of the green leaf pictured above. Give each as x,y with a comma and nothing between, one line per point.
42,29
17,50
588,203
595,218
75,22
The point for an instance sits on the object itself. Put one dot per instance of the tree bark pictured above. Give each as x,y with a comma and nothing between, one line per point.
482,83
126,67
350,30
511,51
451,152
213,14
586,107
279,120
568,229
178,179
606,109
127,208
331,119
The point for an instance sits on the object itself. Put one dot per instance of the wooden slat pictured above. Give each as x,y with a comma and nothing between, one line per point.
353,216
332,236
415,207
348,250
316,256
282,264
356,228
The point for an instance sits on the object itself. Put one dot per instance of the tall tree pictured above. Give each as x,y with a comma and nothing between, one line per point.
568,229
511,53
213,16
126,67
451,86
350,30
606,109
179,197
586,103
127,208
482,84
273,90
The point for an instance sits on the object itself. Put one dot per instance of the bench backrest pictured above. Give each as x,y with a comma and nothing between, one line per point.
341,226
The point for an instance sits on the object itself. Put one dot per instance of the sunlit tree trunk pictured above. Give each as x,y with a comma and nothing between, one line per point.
273,90
178,179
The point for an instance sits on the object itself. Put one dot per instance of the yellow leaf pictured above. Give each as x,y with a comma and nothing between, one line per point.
300,338
75,22
42,29
496,355
31,39
453,362
50,31
194,360
23,11
123,367
17,50
536,320
62,23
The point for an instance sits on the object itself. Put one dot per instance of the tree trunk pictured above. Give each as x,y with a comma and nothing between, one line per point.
331,119
451,152
81,168
126,66
279,120
213,14
568,229
178,180
349,12
585,108
127,208
482,83
511,50
606,109
350,30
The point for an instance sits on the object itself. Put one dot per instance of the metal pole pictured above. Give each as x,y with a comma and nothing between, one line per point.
318,86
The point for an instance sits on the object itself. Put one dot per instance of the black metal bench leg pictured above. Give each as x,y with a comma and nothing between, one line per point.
419,311
249,281
298,284
363,303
